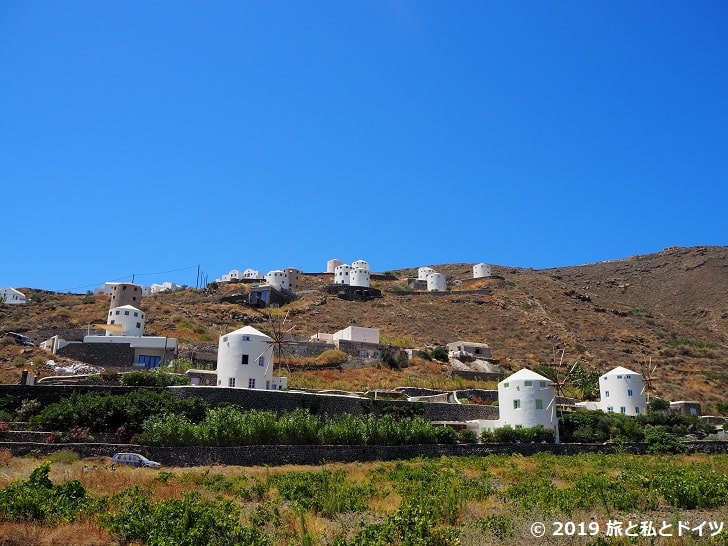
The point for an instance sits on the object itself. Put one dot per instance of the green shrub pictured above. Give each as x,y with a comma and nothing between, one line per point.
38,500
107,412
660,442
324,492
190,521
440,354
509,435
154,378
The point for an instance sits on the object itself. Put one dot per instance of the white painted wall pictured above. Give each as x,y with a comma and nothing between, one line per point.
11,296
423,272
359,277
130,318
245,360
358,333
622,391
481,270
341,274
436,282
277,279
253,274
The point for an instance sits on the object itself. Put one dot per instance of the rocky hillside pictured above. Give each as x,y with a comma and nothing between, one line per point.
670,307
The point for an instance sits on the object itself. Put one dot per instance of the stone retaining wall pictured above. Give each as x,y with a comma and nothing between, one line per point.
279,401
314,455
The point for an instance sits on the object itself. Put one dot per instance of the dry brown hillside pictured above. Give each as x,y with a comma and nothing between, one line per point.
670,307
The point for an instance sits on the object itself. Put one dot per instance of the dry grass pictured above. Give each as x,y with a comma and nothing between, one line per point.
635,307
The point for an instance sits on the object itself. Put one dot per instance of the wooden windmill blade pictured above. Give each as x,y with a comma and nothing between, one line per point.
279,335
647,379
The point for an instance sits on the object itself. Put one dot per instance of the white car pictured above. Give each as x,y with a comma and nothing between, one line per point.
134,459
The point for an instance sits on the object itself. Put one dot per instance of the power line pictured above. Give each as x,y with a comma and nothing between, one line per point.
118,279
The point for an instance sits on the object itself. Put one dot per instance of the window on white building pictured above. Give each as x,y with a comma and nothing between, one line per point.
126,313
606,394
261,361
528,383
622,409
610,409
244,359
539,403
629,392
516,404
505,385
251,383
231,382
637,410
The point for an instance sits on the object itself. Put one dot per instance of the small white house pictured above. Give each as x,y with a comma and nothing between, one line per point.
481,271
253,274
233,275
525,399
358,334
360,264
245,360
11,296
164,287
622,391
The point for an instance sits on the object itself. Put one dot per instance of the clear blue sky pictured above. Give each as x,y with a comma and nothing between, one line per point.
145,137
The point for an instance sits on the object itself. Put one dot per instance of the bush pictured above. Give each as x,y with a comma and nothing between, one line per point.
660,442
37,499
440,354
526,435
155,378
107,412
332,357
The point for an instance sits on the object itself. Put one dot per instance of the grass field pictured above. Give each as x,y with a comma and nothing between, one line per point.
447,501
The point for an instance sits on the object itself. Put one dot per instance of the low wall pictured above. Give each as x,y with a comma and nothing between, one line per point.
325,404
279,401
314,455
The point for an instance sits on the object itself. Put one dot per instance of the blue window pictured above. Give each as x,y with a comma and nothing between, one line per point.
261,361
629,392
150,361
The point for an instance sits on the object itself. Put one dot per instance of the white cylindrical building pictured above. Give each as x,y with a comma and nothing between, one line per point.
360,264
332,264
527,399
277,279
359,277
423,272
622,391
127,321
436,282
341,274
480,271
245,360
